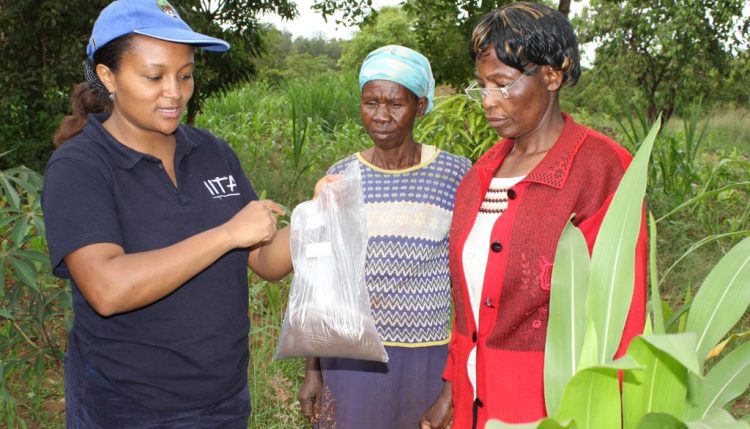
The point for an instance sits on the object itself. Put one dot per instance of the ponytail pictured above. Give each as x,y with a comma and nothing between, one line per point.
84,100
91,96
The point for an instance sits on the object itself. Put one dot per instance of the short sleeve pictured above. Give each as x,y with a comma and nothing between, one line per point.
79,209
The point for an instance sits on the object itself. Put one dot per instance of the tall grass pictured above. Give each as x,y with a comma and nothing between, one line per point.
288,135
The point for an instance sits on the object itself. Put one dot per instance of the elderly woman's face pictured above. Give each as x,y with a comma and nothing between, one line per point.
528,97
388,111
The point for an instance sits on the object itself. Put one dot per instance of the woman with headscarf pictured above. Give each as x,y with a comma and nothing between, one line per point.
408,192
510,211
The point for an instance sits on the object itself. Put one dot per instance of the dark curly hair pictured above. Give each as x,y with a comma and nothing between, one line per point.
523,33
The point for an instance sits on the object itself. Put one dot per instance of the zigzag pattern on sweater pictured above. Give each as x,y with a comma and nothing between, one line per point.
392,320
409,253
405,285
411,335
384,302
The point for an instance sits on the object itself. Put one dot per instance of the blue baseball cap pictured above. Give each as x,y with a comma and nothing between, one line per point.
153,18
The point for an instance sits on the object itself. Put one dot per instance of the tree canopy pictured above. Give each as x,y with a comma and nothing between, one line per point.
390,26
42,46
439,29
663,53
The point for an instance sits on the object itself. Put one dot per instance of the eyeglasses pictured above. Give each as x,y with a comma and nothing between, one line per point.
475,92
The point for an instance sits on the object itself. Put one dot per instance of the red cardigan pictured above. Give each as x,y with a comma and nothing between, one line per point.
579,175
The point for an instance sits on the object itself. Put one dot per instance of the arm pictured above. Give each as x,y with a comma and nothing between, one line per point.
440,414
114,282
311,391
272,259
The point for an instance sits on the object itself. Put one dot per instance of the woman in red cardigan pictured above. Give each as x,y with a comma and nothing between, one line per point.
509,213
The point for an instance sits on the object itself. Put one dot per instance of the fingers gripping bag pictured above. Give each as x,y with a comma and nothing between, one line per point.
328,314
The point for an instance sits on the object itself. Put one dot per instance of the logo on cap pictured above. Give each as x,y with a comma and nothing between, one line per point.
167,8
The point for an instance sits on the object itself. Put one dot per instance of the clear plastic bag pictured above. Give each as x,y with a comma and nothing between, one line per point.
328,314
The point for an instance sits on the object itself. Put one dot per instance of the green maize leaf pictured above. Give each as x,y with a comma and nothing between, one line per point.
667,313
648,329
542,424
656,302
590,346
678,346
623,363
662,385
566,314
718,418
694,396
722,298
612,271
660,421
25,271
592,399
687,303
727,380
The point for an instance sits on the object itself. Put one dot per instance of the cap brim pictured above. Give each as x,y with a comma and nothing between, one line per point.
185,36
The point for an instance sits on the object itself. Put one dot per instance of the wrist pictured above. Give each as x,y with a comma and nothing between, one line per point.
225,237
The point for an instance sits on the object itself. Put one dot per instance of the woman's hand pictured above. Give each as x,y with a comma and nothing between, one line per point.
255,223
311,391
325,180
440,414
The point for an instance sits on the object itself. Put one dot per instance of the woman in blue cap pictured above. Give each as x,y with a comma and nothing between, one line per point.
155,224
408,191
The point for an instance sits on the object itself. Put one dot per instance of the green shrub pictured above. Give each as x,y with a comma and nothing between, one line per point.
34,307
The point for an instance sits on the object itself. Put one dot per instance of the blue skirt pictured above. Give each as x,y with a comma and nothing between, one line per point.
374,395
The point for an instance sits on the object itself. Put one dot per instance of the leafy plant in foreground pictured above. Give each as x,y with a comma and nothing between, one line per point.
457,125
33,306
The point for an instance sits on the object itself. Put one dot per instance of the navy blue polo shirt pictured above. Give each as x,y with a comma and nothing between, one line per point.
189,349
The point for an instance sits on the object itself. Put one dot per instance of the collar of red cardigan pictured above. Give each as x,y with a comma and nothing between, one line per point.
553,169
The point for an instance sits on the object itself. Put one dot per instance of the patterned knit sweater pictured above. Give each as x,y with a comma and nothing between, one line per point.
408,215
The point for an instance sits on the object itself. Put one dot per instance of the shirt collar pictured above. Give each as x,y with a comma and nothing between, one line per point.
124,156
553,169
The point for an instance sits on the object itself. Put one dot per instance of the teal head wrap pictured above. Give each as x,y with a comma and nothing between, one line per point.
401,65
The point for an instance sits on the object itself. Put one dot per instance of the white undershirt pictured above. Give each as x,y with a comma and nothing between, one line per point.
476,251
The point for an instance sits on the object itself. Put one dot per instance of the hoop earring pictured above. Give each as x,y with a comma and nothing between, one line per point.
112,97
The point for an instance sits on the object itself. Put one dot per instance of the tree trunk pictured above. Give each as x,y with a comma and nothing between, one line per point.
564,7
